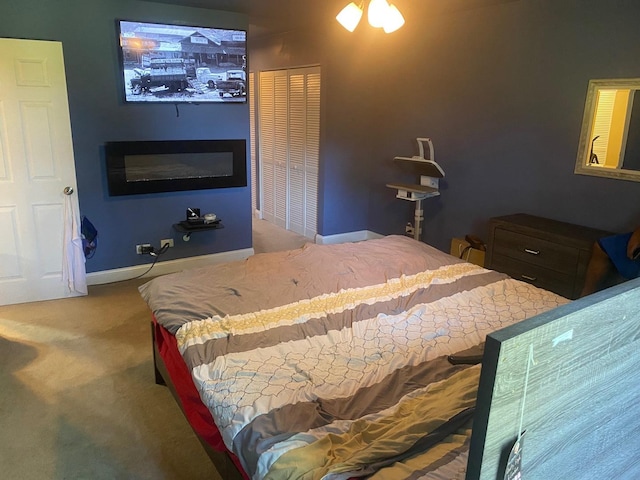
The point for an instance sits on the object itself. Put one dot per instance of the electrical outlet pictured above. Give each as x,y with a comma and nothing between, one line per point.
144,248
166,241
408,229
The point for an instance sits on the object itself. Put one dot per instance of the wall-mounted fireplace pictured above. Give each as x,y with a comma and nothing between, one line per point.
175,165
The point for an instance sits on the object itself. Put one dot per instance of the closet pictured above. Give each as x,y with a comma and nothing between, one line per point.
289,140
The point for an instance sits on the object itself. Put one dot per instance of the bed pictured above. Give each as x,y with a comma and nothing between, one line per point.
341,361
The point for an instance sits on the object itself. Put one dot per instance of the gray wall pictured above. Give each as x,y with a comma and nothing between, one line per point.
87,30
500,89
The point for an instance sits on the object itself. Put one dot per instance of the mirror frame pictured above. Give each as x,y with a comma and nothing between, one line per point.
582,167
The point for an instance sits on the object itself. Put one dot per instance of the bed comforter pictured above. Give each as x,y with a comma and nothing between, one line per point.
331,362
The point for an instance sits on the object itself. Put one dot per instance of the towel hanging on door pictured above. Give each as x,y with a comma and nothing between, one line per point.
73,271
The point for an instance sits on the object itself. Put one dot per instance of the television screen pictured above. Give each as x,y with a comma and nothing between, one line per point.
179,63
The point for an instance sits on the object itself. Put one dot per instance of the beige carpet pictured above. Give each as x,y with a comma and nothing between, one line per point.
77,392
270,238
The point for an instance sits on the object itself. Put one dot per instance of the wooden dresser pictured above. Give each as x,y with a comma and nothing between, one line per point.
546,253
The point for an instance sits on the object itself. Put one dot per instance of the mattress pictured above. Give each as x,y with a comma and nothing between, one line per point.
332,361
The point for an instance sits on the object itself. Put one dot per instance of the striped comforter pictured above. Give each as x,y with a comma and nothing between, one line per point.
330,362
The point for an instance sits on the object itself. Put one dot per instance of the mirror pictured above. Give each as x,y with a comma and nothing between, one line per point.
610,136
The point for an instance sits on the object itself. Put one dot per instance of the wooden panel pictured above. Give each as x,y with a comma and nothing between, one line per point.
313,118
556,246
268,201
297,142
10,267
46,219
4,159
281,148
281,121
252,143
311,204
569,378
265,119
31,72
36,165
280,195
312,152
297,120
39,149
291,143
266,128
528,248
560,283
296,200
552,230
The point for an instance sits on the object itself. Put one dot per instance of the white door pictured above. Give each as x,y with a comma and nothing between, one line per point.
289,115
36,164
266,116
252,147
273,115
304,145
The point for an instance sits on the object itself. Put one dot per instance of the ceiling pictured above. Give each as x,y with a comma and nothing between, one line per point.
272,16
277,16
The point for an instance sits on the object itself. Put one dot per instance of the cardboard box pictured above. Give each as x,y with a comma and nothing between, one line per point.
472,255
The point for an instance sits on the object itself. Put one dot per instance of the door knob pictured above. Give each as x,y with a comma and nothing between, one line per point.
68,190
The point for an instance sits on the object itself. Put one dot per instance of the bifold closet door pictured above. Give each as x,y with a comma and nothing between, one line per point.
274,124
252,146
304,142
289,115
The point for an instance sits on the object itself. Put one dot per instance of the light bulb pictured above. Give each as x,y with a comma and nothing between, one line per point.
349,17
378,11
394,19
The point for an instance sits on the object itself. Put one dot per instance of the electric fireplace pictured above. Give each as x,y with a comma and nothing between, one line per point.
175,165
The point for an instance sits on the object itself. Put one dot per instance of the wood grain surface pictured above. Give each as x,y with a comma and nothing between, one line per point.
570,378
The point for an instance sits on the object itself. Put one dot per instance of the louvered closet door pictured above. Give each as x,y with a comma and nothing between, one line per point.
252,139
281,139
289,112
312,152
297,141
304,128
267,120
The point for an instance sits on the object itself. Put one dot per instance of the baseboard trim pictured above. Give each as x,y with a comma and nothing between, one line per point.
171,266
347,237
168,266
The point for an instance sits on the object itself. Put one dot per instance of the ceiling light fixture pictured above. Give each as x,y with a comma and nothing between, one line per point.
349,17
377,12
394,19
381,14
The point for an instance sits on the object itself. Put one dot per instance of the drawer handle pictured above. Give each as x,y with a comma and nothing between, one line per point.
532,252
527,277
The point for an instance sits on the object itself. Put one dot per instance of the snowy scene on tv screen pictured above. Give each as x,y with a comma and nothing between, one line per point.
175,63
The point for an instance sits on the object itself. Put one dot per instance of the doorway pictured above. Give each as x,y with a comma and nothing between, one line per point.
36,168
287,112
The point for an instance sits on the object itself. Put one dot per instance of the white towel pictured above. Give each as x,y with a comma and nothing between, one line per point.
73,271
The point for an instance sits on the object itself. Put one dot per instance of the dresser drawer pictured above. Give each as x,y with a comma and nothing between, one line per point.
533,250
547,253
560,283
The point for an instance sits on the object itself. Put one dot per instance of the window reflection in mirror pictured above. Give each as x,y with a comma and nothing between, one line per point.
610,137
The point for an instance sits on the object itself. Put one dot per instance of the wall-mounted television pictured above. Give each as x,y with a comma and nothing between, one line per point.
174,165
168,63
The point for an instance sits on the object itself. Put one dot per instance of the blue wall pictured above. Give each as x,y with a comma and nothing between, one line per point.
87,31
500,89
